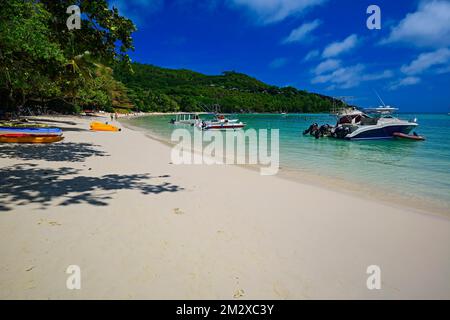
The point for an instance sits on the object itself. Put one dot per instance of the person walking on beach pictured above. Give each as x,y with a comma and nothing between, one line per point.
112,117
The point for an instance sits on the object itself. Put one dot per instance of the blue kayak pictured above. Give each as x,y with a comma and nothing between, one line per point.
32,131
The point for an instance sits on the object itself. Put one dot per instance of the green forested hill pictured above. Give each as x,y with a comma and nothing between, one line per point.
44,65
153,88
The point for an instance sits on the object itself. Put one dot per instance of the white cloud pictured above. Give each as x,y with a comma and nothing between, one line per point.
443,70
346,77
311,55
278,63
408,81
378,76
349,77
436,62
271,11
337,48
326,66
429,26
299,34
428,60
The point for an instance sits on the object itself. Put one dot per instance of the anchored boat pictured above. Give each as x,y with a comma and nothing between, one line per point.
185,118
375,124
220,123
370,124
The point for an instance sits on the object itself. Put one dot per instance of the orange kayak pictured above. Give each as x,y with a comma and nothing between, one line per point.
99,126
24,138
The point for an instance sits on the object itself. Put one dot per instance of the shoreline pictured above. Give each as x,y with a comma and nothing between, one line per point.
142,228
346,186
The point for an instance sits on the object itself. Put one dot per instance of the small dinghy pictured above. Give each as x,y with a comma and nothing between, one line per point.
413,137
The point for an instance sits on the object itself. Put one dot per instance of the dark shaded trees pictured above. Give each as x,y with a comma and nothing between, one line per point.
41,60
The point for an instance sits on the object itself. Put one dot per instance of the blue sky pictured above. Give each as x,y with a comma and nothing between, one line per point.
322,46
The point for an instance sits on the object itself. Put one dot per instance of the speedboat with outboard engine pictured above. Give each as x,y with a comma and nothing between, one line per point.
377,123
220,123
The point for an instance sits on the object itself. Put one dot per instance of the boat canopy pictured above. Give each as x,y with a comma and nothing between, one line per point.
381,110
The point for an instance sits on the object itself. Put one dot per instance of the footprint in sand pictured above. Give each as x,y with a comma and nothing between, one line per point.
238,293
178,211
52,223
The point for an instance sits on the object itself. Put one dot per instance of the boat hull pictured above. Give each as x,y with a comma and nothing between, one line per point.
224,127
31,131
24,138
382,132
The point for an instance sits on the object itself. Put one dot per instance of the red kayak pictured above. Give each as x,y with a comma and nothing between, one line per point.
408,136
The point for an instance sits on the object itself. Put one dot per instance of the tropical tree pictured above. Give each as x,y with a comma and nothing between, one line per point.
41,59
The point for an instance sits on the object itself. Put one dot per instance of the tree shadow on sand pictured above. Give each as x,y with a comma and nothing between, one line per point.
68,151
24,184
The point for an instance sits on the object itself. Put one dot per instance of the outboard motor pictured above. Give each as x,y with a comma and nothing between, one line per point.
341,132
311,129
317,134
325,130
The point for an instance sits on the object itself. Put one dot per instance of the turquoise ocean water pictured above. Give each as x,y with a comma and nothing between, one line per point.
419,171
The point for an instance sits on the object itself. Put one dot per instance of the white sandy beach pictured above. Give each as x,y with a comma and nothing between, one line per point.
140,227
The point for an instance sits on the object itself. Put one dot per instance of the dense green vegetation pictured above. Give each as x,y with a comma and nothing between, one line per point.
44,64
157,89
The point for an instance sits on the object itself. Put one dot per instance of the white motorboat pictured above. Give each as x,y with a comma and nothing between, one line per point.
377,123
186,119
220,123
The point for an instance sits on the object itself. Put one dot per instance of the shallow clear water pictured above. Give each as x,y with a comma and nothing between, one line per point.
408,168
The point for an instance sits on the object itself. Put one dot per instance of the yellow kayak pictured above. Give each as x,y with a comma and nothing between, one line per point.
29,139
99,126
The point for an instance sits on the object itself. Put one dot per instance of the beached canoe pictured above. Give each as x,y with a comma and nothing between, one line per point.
29,138
31,131
99,126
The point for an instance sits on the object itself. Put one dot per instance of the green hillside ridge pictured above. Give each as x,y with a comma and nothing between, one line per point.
153,88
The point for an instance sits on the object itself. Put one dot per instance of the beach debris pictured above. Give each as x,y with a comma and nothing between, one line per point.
29,269
52,223
239,293
178,211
